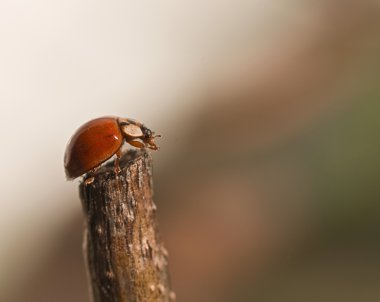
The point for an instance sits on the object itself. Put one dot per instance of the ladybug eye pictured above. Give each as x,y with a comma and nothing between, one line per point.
148,133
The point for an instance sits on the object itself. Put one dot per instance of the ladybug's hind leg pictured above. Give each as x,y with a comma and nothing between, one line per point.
90,176
89,180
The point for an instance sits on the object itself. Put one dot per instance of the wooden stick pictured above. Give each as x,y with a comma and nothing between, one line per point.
126,260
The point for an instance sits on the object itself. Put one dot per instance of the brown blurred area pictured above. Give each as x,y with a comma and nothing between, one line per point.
269,190
275,194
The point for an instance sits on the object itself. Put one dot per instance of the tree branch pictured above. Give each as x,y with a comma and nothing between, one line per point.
125,257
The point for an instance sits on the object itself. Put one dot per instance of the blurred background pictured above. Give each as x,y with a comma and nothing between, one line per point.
267,181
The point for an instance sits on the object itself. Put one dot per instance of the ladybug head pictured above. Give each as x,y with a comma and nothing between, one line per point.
149,137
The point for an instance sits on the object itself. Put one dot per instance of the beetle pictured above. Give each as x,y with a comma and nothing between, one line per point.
99,139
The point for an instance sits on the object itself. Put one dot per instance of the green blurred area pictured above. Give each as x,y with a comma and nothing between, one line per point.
343,158
339,260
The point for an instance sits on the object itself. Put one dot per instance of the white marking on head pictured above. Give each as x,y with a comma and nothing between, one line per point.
132,131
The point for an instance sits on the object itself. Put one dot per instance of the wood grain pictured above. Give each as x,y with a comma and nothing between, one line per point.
125,256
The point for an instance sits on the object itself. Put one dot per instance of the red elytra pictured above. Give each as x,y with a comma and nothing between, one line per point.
98,140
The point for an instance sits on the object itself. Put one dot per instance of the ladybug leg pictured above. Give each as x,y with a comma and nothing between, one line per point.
90,178
117,161
136,144
153,146
141,145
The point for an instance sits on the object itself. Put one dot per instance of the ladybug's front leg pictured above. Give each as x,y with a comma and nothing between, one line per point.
142,145
136,144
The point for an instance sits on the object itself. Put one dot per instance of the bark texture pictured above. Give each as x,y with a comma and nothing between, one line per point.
125,257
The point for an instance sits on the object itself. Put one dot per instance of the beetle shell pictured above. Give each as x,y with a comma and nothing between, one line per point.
91,145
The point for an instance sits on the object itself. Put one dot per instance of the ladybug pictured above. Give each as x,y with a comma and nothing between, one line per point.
99,139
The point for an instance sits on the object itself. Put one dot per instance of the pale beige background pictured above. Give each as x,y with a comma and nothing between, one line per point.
64,62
